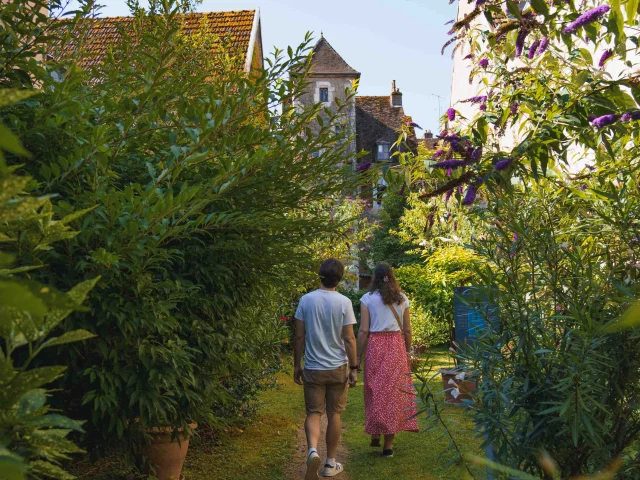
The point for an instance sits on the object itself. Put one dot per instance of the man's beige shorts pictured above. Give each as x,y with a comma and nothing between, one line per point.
326,390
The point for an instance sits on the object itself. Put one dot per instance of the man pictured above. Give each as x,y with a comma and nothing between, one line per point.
324,331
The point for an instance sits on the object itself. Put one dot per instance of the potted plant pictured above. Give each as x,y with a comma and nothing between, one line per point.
459,386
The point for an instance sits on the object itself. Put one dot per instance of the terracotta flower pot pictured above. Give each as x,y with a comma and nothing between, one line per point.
458,391
165,455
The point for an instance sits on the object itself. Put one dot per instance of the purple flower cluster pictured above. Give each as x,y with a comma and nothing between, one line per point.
470,196
448,196
468,57
522,36
453,164
605,56
533,49
480,2
451,114
484,63
476,154
629,116
503,164
363,167
438,153
478,99
605,120
483,107
513,108
586,18
544,43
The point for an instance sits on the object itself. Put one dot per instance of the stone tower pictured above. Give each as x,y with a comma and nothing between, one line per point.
330,77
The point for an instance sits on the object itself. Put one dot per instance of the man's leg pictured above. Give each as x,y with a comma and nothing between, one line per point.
336,403
334,430
312,429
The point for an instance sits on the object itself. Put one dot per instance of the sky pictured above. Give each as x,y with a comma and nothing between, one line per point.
385,40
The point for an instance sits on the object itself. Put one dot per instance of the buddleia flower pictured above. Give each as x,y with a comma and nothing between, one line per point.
451,114
453,164
483,107
605,120
522,36
586,18
606,55
484,63
503,164
533,49
513,108
629,116
470,196
544,43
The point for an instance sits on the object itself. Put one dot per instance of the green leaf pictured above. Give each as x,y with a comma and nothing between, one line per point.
9,96
25,381
540,6
68,337
31,401
77,294
57,421
12,467
632,11
631,319
514,9
10,143
17,297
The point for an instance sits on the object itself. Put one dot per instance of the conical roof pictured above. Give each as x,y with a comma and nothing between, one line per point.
327,60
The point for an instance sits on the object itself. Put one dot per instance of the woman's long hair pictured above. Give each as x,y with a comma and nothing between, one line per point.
384,281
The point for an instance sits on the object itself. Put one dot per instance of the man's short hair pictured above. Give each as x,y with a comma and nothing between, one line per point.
331,272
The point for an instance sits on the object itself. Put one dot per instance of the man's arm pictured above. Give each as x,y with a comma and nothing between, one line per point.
350,346
298,349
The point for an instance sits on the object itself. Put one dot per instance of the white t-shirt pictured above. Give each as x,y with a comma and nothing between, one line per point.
324,313
381,318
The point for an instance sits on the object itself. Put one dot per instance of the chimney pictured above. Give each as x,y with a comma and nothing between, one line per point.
396,96
428,134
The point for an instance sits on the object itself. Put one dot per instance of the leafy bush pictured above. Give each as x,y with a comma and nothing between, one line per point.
430,289
206,202
33,440
557,376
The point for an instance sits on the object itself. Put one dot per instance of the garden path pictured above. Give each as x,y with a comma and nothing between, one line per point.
296,467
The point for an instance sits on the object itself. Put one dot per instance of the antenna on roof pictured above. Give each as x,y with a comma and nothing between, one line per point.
321,34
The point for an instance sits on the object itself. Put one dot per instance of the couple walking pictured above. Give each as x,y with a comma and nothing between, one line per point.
324,332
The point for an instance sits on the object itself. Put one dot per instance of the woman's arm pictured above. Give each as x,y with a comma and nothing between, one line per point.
406,321
363,332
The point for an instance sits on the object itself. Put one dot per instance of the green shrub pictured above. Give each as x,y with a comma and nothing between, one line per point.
429,287
33,439
205,197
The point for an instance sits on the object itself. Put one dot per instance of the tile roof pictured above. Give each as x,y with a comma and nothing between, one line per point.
327,60
377,120
237,26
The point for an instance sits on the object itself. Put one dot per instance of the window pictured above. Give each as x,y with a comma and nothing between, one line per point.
324,94
383,152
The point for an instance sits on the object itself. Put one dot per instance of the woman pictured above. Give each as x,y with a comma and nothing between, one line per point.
385,335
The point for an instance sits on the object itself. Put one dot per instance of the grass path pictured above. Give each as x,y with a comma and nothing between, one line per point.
273,448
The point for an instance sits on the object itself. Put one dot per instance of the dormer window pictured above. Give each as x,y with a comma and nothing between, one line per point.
324,95
383,152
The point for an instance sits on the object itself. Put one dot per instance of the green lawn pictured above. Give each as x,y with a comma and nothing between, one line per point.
262,449
422,456
268,443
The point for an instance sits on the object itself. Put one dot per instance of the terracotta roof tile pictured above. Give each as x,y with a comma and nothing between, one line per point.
237,26
378,121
